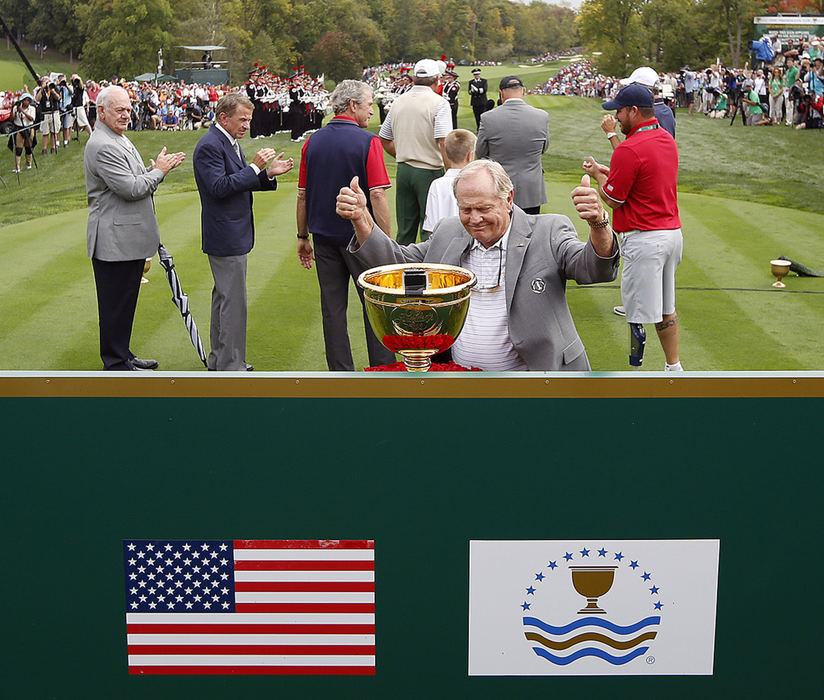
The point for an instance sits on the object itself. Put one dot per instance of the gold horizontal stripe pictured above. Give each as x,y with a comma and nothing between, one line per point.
589,637
412,385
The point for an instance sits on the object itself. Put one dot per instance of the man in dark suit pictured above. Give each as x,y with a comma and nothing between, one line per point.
477,95
516,135
225,183
122,230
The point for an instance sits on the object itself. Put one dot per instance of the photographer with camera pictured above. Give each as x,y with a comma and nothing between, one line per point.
79,115
24,115
48,102
66,118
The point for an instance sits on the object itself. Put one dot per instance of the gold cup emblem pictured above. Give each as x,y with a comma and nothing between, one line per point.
592,582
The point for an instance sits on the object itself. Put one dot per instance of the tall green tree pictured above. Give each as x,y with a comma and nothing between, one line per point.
614,28
124,36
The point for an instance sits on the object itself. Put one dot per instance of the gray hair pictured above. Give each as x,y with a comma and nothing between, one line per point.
229,103
503,185
347,90
104,97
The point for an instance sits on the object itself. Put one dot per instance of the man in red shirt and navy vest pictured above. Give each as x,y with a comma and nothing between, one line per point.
330,158
641,187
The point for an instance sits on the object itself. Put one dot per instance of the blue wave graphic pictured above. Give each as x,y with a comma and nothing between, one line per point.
590,651
597,621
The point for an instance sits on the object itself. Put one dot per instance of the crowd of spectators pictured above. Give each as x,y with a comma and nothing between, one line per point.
551,56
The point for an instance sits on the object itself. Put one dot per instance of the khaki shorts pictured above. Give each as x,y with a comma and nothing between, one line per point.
50,123
80,116
648,280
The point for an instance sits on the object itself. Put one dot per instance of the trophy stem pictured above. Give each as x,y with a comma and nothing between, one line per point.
592,608
417,361
779,284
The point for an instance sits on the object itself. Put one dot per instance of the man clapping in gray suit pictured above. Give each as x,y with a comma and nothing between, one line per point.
515,135
122,230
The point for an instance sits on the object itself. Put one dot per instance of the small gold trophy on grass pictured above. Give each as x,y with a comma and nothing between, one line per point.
417,309
779,268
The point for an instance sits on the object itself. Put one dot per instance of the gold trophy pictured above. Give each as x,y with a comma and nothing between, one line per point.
592,582
779,268
417,309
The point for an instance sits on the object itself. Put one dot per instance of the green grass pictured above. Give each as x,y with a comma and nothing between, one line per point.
738,212
14,74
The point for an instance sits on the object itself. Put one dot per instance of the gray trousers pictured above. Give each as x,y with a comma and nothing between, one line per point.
335,267
228,330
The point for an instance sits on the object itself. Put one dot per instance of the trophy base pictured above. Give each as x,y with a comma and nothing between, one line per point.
779,284
417,360
592,611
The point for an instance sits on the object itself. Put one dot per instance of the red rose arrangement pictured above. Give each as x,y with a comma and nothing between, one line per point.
436,367
438,342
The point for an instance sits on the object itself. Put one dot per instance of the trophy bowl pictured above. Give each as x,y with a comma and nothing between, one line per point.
592,582
417,309
779,268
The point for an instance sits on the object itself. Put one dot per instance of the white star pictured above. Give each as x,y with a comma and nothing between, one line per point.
179,598
178,584
187,561
151,575
170,590
141,569
150,546
130,547
159,569
187,547
214,569
161,598
214,555
140,555
215,584
187,576
134,606
204,547
223,547
150,562
206,574
133,591
196,583
142,599
132,576
132,561
141,583
170,604
188,590
188,605
224,590
178,569
168,562
152,590
196,555
196,569
224,576
216,598
224,562
225,605
207,604
167,547
152,605
197,598
177,555
169,576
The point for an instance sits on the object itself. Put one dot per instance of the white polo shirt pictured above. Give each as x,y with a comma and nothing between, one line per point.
484,341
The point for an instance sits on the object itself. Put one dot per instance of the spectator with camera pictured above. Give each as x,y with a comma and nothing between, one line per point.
79,99
24,115
66,119
48,101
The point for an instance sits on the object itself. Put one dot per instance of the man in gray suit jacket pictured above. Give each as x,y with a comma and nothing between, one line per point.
122,230
515,135
518,317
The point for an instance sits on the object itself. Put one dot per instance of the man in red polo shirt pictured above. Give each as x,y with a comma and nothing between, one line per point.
641,187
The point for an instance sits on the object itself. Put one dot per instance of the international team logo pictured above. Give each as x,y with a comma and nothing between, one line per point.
592,608
593,602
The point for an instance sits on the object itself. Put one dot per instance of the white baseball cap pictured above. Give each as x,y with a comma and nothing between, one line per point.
643,75
426,68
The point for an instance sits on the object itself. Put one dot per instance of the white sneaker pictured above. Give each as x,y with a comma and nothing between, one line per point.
673,368
15,170
619,311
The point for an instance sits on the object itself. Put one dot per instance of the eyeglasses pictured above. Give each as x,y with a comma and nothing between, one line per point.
497,285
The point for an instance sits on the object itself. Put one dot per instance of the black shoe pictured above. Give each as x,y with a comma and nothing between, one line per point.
249,368
144,364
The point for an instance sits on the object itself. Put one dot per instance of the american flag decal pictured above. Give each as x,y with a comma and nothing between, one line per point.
250,606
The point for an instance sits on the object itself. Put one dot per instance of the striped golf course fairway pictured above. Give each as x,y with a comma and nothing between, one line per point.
731,318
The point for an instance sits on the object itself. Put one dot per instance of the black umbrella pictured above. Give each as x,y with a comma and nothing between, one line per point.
181,300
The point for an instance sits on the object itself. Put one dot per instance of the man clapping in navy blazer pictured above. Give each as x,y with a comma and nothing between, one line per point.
225,183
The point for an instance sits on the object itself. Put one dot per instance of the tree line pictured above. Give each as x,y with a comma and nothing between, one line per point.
338,37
